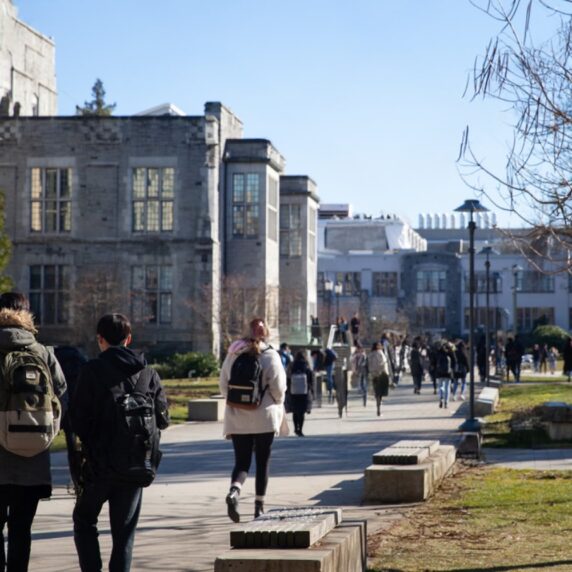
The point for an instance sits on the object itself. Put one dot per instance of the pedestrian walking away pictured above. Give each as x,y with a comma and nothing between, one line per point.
460,371
119,406
359,372
377,366
253,381
444,372
301,390
25,475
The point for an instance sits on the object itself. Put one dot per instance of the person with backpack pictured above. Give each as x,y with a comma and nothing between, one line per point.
329,362
253,381
378,369
301,389
444,372
118,411
359,371
25,475
416,365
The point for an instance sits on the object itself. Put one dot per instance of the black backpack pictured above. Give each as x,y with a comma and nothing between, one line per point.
245,389
132,456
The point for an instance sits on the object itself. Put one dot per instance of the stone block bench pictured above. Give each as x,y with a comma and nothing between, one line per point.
209,409
487,401
557,420
408,471
308,539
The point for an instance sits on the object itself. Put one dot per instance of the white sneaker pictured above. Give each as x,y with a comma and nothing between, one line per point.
462,397
453,398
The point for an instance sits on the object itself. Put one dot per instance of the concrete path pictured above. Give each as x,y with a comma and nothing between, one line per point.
184,526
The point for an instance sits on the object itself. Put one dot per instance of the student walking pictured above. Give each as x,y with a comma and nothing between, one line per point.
359,371
378,368
416,365
252,426
112,388
301,390
444,372
24,479
460,371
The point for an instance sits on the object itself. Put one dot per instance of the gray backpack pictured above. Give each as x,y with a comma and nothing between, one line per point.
30,412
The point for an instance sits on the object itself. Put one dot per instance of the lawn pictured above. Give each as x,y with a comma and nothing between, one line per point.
481,519
517,403
180,391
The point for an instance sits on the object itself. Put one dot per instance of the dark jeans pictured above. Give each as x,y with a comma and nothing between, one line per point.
244,445
124,508
17,508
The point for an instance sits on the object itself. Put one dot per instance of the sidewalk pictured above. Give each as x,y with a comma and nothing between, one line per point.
184,526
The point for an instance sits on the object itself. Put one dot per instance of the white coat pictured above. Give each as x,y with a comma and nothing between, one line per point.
269,416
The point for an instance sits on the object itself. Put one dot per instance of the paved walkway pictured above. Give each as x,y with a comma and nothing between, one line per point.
184,525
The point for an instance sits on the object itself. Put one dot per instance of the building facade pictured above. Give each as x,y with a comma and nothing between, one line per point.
421,284
27,67
155,216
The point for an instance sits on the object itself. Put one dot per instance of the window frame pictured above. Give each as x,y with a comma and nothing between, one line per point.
146,194
60,200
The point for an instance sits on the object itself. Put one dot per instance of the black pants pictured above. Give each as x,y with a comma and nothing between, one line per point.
18,507
244,445
124,508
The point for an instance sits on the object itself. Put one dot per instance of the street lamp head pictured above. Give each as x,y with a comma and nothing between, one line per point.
328,285
487,250
516,269
338,288
471,206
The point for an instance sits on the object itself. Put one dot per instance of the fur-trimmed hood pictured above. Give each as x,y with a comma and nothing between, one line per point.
16,329
17,319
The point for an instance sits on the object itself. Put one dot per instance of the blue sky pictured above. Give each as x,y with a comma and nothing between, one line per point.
364,96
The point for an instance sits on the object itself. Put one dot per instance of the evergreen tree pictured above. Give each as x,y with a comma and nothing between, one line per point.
97,107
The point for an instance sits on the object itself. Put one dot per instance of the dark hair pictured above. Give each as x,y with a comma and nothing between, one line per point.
14,301
283,345
114,328
301,356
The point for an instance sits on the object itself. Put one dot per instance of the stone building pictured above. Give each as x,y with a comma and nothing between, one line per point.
151,215
27,67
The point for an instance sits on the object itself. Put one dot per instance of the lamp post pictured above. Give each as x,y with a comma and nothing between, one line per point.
515,270
487,251
471,206
328,287
338,290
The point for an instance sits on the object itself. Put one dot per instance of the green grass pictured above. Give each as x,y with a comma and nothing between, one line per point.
180,391
517,404
481,519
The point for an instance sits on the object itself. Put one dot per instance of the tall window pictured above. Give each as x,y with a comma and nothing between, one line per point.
534,281
152,287
245,205
432,317
50,293
153,192
312,233
290,231
431,281
351,283
51,200
495,282
384,284
529,318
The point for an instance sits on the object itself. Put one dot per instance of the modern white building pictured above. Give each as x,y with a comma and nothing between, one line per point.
417,280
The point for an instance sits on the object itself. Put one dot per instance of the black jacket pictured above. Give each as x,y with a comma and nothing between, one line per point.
89,413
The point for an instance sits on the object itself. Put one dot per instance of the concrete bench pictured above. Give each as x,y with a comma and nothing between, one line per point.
557,420
211,409
393,483
286,528
487,401
335,545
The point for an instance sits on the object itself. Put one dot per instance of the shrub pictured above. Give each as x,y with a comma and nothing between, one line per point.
550,335
181,365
